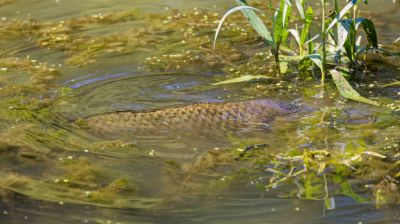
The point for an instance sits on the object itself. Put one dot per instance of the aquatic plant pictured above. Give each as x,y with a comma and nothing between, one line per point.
316,161
333,44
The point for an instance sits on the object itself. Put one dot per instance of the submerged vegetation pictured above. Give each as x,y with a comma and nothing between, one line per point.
336,150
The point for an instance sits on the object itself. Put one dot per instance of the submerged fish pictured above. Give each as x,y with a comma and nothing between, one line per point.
202,118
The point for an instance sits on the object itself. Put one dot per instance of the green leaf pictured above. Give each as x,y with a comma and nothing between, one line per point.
350,43
345,9
342,33
346,189
330,203
370,31
299,5
281,22
256,22
243,78
317,59
283,66
296,35
307,24
393,84
346,90
286,12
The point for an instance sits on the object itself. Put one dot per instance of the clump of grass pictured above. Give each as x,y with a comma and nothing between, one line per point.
339,30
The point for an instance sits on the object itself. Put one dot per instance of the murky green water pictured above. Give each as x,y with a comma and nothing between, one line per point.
63,61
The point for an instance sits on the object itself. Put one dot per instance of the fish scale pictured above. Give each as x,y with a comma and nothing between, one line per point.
202,118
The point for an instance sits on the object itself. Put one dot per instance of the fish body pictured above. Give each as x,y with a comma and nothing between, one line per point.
202,118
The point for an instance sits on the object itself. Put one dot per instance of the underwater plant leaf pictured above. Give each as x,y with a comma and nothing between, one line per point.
346,189
346,90
243,78
345,9
393,84
370,31
311,189
51,191
283,66
330,203
256,22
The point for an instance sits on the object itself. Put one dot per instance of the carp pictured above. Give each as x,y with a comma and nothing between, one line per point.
193,119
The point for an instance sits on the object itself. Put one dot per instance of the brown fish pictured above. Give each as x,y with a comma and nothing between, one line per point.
202,118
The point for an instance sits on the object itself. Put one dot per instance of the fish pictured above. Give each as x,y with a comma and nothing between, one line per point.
193,119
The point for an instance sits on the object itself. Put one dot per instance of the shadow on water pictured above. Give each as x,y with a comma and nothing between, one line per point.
66,61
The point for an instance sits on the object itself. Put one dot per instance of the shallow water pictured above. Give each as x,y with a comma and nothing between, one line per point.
93,62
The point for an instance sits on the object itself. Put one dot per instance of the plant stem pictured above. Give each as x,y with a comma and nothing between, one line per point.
354,47
337,25
275,52
323,35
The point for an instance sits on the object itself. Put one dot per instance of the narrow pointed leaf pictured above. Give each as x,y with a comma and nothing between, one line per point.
344,29
312,39
370,31
243,78
256,22
299,6
341,14
237,8
346,90
282,17
350,43
285,12
342,32
296,35
330,203
317,59
307,24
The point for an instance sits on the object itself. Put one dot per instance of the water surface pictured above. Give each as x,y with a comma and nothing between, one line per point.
78,59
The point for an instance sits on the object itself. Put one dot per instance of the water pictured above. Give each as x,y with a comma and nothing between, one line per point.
78,59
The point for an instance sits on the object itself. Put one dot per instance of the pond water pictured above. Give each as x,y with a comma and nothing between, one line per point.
62,62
